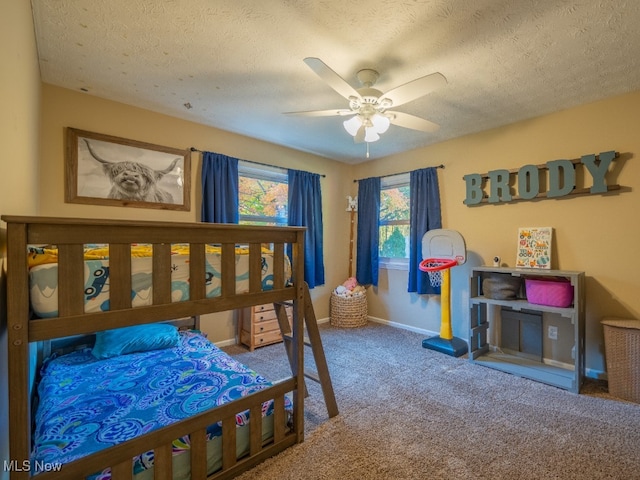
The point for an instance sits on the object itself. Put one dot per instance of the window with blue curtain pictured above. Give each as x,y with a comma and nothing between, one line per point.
219,188
305,210
367,254
220,204
425,215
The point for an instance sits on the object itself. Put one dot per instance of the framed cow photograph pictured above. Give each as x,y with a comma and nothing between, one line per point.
106,170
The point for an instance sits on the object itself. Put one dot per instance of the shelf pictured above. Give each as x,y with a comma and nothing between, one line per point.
523,367
522,305
482,352
529,272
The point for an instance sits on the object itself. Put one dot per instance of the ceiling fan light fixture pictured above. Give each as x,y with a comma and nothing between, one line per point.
380,123
353,125
371,135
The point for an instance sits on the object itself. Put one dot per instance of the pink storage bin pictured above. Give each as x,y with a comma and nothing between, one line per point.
553,293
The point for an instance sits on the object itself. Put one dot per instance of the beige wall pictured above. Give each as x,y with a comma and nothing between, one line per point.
597,234
63,108
594,233
19,114
19,122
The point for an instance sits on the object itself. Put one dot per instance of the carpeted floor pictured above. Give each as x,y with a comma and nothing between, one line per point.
411,413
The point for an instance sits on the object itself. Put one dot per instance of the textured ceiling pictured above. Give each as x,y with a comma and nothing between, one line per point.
239,63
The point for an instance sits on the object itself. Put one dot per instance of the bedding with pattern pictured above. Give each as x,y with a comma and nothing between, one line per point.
43,275
87,404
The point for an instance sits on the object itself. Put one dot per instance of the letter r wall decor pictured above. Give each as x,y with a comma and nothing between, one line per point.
106,170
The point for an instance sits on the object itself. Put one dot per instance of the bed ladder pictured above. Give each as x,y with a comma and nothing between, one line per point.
314,341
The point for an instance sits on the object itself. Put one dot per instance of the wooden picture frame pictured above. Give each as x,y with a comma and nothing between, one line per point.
107,170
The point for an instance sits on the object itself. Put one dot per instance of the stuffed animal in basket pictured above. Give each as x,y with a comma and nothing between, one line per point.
349,288
350,283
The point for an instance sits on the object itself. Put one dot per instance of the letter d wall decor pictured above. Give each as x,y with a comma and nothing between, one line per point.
554,179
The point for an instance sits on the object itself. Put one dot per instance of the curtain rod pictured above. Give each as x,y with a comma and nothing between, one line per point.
401,173
194,149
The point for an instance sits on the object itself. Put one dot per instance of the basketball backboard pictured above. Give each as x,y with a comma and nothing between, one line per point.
442,243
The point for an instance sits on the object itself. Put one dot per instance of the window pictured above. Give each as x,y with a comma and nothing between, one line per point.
394,221
263,194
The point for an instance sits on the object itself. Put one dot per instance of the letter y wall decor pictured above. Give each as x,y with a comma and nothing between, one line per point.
589,174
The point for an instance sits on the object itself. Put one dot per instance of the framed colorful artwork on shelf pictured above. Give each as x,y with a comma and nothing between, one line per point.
534,247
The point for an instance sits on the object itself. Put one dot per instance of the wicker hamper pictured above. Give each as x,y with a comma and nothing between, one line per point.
622,351
348,311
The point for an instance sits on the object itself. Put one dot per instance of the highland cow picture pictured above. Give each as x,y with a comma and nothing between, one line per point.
106,170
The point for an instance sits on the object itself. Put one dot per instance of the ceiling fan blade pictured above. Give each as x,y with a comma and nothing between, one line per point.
410,121
322,113
334,80
414,89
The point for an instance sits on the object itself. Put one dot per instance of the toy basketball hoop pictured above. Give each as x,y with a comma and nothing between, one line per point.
442,250
434,267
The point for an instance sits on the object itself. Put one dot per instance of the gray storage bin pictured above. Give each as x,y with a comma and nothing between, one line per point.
501,286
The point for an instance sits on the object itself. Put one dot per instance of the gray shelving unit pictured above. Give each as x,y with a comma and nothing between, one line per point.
483,353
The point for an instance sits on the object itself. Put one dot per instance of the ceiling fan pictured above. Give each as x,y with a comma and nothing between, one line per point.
369,107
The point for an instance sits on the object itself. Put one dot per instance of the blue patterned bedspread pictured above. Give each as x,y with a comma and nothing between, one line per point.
88,404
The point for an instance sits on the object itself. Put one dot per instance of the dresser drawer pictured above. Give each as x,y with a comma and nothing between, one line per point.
264,316
262,327
267,338
268,315
260,339
262,308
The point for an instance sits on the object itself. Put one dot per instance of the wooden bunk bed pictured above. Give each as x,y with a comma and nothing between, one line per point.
70,236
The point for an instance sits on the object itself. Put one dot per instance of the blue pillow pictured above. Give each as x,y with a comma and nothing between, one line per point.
139,338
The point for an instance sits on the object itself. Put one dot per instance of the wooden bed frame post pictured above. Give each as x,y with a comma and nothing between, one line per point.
18,350
298,336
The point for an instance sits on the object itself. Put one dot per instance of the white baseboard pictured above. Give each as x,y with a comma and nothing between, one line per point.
226,343
402,326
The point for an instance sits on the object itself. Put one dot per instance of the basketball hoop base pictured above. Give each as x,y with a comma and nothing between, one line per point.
456,347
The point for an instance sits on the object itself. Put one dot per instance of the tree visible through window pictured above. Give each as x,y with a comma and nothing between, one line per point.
394,217
263,195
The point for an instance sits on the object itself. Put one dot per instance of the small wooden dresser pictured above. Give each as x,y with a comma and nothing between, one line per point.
258,326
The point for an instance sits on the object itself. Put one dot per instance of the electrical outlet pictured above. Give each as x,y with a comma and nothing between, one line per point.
553,332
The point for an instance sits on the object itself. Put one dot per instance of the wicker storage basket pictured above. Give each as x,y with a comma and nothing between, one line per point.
348,311
622,350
